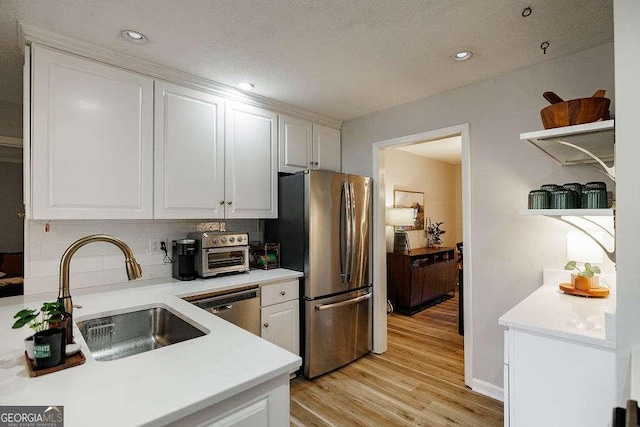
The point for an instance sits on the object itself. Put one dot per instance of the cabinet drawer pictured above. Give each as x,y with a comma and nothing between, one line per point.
279,292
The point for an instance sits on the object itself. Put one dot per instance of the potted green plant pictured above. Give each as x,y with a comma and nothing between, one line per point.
585,277
46,347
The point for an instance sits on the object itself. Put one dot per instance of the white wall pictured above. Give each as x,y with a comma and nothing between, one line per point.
11,233
436,179
627,64
509,251
102,263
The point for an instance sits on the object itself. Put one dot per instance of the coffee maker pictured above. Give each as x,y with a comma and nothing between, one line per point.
183,255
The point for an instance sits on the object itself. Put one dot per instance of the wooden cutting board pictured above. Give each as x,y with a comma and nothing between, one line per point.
594,293
69,362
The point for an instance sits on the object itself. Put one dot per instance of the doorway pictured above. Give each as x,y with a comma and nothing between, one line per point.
11,218
380,237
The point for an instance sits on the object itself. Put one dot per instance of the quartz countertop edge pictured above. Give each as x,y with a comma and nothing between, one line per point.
550,311
156,386
635,373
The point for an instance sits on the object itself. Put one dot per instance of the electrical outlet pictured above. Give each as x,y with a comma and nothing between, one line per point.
155,244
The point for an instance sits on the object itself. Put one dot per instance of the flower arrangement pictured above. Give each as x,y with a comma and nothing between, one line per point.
434,232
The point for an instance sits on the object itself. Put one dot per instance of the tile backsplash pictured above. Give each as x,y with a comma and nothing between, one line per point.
99,263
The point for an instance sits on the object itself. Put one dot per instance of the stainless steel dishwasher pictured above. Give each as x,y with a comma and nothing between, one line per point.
239,306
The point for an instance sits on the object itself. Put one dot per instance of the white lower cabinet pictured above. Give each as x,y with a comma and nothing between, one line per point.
280,315
280,325
551,381
264,405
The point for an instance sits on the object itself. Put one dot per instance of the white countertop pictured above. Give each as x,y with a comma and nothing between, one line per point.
156,386
550,311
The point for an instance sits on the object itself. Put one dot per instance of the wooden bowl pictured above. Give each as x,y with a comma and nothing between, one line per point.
575,112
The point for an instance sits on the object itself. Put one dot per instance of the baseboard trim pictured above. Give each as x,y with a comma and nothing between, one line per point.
487,389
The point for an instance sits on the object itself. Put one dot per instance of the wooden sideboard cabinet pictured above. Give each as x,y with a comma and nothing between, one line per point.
417,278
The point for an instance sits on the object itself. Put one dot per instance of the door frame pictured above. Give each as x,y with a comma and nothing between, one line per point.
379,238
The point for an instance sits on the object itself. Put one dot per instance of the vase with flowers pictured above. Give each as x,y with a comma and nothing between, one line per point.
434,233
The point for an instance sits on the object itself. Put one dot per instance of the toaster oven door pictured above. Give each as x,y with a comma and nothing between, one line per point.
225,260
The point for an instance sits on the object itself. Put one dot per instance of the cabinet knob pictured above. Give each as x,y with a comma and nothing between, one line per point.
282,293
311,163
315,163
266,325
229,202
222,202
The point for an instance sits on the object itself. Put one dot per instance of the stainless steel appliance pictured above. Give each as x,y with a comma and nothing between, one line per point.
220,252
183,254
240,306
324,231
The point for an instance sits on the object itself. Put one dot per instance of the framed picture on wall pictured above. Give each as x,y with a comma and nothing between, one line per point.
411,199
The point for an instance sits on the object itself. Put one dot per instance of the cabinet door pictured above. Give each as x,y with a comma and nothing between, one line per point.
91,141
294,144
188,153
251,162
326,148
280,325
553,382
255,414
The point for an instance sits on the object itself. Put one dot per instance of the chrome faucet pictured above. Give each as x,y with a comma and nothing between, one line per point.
133,268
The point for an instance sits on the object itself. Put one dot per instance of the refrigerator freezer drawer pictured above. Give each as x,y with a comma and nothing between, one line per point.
338,331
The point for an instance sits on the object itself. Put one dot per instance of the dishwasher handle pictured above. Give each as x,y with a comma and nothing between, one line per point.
221,308
225,302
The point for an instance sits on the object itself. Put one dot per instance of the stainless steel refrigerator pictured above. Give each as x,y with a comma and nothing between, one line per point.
324,230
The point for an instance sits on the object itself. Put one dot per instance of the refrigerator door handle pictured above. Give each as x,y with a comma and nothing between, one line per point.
352,224
346,274
342,231
321,307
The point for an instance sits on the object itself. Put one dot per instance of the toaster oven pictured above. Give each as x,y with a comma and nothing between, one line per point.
221,252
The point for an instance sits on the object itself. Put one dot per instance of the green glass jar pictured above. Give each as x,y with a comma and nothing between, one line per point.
563,199
539,199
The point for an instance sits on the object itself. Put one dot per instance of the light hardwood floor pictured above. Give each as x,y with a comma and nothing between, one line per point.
418,381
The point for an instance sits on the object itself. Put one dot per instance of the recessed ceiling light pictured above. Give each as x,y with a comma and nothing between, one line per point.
462,56
134,36
245,86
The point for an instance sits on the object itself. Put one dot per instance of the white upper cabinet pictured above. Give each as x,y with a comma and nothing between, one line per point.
305,145
251,162
295,144
326,148
92,139
188,153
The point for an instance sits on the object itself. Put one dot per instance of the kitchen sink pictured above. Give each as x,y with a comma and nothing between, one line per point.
118,335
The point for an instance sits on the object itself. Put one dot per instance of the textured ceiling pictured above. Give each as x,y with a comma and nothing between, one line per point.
335,57
447,150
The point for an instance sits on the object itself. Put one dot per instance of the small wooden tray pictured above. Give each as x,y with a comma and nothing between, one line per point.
69,362
595,292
